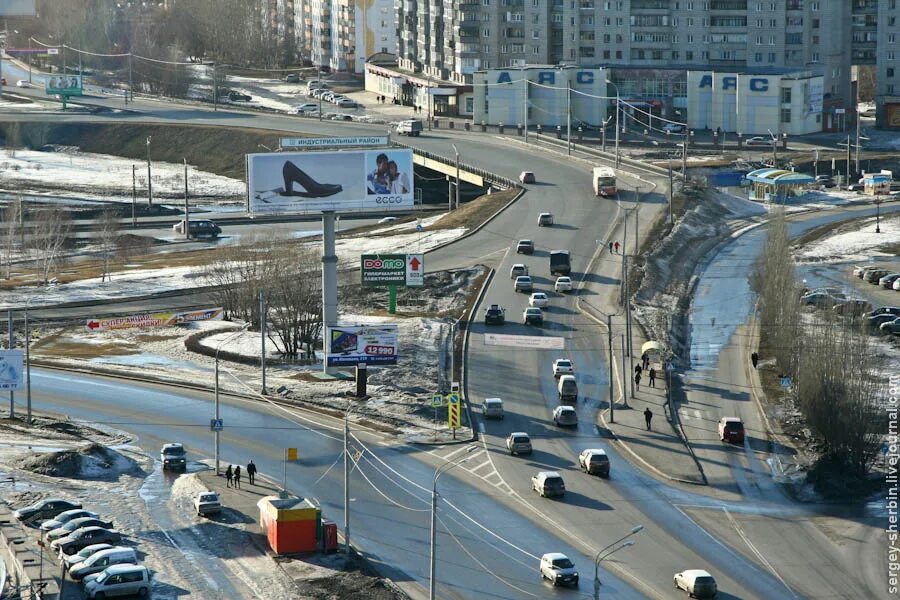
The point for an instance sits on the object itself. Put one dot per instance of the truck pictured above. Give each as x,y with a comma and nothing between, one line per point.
604,181
559,263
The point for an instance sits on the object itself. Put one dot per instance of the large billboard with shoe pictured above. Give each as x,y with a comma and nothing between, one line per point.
342,182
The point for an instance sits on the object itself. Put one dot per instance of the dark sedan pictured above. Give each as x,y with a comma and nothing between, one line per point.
45,509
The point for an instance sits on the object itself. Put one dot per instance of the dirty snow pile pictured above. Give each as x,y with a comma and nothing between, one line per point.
88,462
853,242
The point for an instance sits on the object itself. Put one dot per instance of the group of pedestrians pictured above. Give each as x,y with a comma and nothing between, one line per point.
233,475
614,247
639,371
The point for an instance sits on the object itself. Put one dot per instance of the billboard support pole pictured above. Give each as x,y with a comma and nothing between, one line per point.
27,368
12,344
329,276
392,299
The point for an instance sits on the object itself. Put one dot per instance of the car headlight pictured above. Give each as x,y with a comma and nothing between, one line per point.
575,574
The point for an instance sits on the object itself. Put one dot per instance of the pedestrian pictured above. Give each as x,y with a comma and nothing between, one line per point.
754,358
237,477
645,359
251,472
637,380
616,245
610,247
228,476
652,377
648,416
638,369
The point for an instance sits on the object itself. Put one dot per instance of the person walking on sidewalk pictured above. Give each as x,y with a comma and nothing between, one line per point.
610,247
251,472
237,477
228,476
754,358
652,377
648,416
645,359
637,378
638,370
616,246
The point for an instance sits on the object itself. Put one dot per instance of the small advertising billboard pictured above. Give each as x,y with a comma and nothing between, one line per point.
342,182
353,344
11,367
64,84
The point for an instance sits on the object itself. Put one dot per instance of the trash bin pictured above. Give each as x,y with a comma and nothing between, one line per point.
329,536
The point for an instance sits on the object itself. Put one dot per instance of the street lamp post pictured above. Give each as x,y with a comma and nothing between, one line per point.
218,347
604,554
877,214
457,174
434,496
618,102
149,176
349,410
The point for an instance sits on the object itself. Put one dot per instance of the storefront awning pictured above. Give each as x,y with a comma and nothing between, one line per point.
779,177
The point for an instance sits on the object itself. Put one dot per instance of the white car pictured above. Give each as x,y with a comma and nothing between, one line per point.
309,107
558,569
207,503
758,141
346,103
384,220
517,270
563,284
563,366
674,128
565,416
23,84
697,583
539,299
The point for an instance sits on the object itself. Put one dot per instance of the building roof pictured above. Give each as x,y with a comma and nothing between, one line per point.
779,177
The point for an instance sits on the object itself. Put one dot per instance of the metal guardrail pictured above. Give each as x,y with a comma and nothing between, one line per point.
492,178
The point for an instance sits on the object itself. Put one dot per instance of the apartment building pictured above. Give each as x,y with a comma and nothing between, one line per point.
886,54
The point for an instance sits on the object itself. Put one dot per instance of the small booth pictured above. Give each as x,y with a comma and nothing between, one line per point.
877,184
291,524
777,185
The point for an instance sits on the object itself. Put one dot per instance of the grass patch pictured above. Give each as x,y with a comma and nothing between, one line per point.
474,213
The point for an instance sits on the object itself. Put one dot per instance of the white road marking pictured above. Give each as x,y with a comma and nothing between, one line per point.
758,554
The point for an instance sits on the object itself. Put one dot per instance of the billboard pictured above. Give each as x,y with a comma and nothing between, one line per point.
354,344
393,269
315,182
63,84
11,367
17,8
160,319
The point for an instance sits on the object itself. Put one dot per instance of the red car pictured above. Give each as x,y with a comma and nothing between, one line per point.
731,429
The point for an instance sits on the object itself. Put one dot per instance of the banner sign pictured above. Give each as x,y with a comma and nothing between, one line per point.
361,140
392,269
354,344
160,319
525,341
415,270
64,84
342,182
11,368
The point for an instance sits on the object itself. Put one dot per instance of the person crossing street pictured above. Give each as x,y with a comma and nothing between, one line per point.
251,472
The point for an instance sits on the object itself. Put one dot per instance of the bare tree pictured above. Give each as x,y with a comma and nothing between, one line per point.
12,217
51,231
294,294
108,238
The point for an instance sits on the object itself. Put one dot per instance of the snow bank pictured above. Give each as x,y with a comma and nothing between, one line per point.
856,245
89,462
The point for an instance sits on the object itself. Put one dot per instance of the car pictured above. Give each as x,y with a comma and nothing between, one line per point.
291,78
199,228
327,95
525,247
731,429
518,442
558,569
341,117
64,517
879,316
697,583
825,181
239,97
887,282
319,93
822,299
307,108
594,461
207,503
335,98
494,315
75,524
856,187
102,560
539,299
563,366
548,483
492,408
562,284
315,85
853,307
85,536
23,84
533,316
545,220
896,284
412,128
523,284
758,141
873,275
526,176
48,508
69,560
567,389
891,327
347,103
385,220
565,416
861,270
119,580
674,128
173,457
517,269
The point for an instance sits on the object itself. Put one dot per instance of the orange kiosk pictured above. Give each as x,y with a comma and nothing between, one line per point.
291,524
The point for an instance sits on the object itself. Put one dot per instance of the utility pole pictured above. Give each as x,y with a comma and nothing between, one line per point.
457,174
131,81
133,195
347,482
625,375
525,102
849,146
149,175
215,84
262,337
684,156
612,416
671,193
568,118
816,165
12,344
857,128
319,81
27,369
187,212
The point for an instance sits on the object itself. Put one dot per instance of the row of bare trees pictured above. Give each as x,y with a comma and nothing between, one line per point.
288,273
837,382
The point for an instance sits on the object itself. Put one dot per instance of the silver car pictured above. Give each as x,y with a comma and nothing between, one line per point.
119,580
565,416
492,408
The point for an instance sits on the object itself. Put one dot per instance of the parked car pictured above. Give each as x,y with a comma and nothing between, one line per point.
822,298
75,524
48,508
861,270
119,580
594,461
563,284
23,84
873,275
518,442
539,299
548,483
731,429
239,97
307,108
533,316
494,315
673,128
563,366
199,228
292,78
69,560
697,583
545,219
523,284
347,103
525,247
896,285
887,282
557,568
825,181
565,416
492,408
411,128
526,176
207,503
852,308
882,315
758,140
64,517
173,457
85,536
517,270
100,561
341,117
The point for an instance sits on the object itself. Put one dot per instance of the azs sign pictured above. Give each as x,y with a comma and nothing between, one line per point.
757,84
549,77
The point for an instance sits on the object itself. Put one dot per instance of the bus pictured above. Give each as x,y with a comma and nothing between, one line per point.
605,181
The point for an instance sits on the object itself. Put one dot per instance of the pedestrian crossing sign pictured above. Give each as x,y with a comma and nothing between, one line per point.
437,400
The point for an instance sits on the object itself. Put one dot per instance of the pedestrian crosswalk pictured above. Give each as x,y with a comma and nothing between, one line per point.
479,463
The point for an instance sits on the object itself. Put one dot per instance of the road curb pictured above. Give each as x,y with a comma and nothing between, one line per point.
465,353
481,226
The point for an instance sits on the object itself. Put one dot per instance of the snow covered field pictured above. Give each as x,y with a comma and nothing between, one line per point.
858,244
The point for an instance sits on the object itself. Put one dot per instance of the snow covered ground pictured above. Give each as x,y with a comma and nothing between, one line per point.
857,244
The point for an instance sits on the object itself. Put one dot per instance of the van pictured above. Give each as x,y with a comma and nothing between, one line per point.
119,580
198,228
99,561
697,583
492,408
567,389
411,128
548,483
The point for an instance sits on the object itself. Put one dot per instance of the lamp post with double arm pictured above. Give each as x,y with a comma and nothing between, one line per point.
606,552
434,496
216,428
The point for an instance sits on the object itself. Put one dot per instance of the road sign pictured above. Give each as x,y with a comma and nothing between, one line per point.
437,400
453,411
160,319
291,454
11,369
216,425
358,140
415,270
392,269
785,382
525,341
419,227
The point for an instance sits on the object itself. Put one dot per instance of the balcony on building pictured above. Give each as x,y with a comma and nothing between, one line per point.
649,6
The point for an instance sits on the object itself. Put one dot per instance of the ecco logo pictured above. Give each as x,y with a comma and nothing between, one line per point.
386,263
389,199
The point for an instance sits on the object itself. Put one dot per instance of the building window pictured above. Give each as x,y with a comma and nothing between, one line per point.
486,33
890,71
606,54
535,35
758,57
535,49
785,95
704,55
815,57
619,56
470,104
771,57
689,55
676,55
785,115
